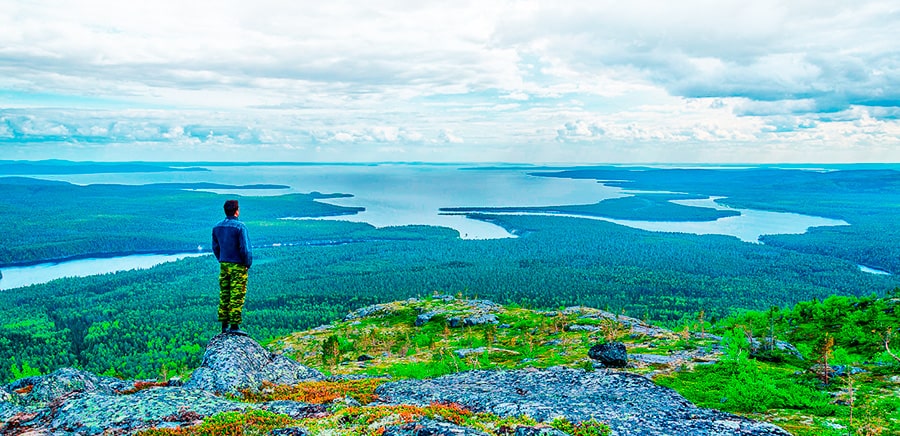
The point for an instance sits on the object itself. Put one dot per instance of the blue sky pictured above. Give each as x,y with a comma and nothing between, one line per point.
481,81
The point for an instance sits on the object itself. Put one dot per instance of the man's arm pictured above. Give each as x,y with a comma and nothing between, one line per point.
215,244
246,251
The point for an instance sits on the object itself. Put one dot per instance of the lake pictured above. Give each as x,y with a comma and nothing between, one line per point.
879,272
404,194
15,277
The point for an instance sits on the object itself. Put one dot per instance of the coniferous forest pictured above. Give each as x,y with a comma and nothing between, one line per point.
149,322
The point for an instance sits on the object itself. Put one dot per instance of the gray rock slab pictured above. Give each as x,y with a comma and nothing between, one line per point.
538,431
289,431
430,427
50,387
462,353
630,404
480,319
653,359
423,318
9,410
785,347
95,412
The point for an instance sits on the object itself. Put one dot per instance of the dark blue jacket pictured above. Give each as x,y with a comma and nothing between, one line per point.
231,243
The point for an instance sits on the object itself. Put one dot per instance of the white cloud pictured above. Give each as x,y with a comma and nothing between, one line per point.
580,129
343,137
174,132
5,131
446,135
513,78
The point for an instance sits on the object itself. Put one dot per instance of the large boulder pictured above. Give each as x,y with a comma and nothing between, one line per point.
233,363
611,355
628,403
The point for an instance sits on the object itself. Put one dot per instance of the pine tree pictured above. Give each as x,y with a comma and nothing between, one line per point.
825,351
331,350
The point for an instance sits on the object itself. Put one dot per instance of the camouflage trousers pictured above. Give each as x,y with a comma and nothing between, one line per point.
233,286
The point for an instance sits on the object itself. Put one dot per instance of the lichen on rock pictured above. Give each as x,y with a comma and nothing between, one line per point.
71,401
629,404
430,427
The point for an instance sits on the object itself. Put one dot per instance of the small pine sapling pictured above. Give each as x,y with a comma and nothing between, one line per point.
701,322
772,311
887,343
850,397
825,352
490,333
331,350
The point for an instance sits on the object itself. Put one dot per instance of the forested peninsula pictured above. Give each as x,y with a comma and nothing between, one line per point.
868,199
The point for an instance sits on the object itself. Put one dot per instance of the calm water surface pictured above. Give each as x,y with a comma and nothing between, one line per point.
879,272
414,194
14,277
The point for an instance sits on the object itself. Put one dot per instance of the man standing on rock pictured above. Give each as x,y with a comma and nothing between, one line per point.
231,245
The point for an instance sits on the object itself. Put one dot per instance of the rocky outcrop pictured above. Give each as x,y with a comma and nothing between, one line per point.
630,404
633,325
232,363
74,401
71,401
758,349
469,321
43,390
538,431
423,318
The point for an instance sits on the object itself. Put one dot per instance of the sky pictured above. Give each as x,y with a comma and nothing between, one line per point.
711,81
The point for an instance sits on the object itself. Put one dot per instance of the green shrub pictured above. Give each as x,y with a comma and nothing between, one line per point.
591,427
748,386
229,423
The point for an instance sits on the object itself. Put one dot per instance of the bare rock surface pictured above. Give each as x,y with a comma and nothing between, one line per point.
95,412
538,431
70,401
232,363
430,427
49,388
630,404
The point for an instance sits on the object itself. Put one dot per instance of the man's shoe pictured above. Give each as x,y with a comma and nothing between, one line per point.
234,330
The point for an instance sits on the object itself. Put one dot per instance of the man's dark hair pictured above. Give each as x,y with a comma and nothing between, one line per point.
231,206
